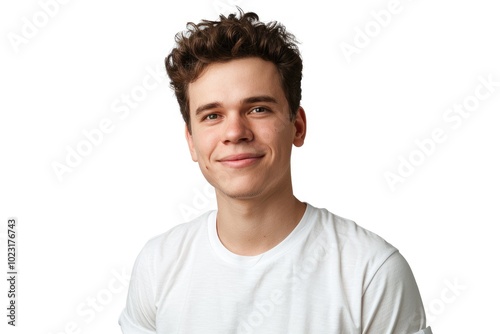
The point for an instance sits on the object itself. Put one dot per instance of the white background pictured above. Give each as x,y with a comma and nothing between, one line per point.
75,235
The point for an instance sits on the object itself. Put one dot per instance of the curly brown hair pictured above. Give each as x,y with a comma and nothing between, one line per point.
231,38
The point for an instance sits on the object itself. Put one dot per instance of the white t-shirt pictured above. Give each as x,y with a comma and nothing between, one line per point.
328,276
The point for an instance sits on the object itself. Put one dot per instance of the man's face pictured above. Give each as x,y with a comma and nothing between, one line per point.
241,133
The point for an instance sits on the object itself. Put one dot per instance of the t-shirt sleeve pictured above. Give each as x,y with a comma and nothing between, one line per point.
391,302
139,314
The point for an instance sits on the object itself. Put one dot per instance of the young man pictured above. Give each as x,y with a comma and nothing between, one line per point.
264,262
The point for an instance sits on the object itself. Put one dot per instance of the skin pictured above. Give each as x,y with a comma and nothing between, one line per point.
242,137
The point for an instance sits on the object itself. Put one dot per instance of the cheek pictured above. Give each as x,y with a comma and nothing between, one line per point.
281,133
273,132
204,147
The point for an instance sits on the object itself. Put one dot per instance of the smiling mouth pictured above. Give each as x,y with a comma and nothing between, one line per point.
241,160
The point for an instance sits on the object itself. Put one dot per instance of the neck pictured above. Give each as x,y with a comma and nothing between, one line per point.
253,226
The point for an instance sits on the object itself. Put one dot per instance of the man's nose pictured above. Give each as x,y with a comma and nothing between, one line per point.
237,129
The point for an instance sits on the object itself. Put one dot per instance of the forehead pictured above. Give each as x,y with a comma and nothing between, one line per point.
236,80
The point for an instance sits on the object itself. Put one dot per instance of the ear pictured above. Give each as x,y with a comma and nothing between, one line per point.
189,139
300,127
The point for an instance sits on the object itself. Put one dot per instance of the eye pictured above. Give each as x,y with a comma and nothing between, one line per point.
211,117
259,110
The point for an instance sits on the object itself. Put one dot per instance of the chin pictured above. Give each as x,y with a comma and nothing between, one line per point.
241,192
240,187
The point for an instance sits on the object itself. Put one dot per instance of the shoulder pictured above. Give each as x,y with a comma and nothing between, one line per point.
374,272
348,234
353,247
154,267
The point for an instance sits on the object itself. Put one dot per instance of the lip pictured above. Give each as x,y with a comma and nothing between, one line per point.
240,160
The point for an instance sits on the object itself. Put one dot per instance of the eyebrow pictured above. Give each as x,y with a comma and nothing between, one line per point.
248,100
260,98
